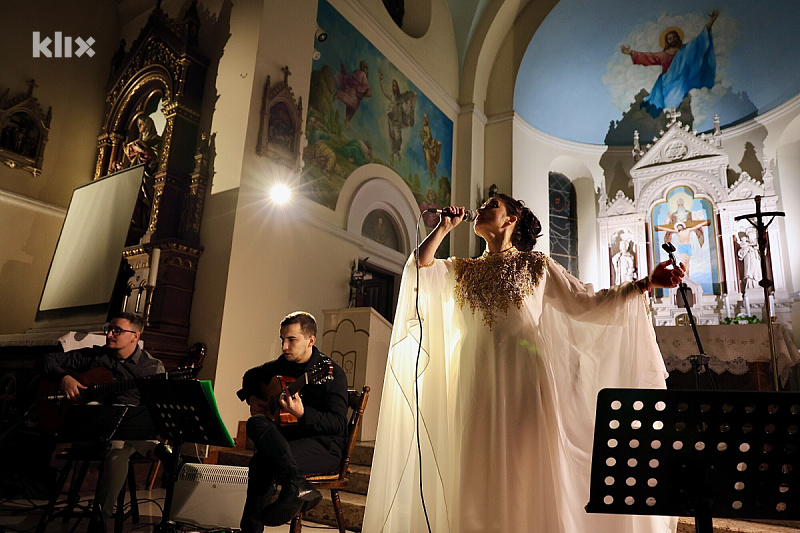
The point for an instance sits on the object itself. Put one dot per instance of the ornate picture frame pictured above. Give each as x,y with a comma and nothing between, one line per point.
280,131
24,128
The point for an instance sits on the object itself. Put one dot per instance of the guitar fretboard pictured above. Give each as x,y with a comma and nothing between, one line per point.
115,387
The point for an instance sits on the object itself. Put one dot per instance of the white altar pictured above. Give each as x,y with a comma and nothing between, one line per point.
685,193
731,348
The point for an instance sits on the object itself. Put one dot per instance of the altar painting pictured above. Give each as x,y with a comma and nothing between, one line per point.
689,224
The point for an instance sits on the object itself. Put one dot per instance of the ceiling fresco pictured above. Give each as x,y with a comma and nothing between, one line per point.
595,72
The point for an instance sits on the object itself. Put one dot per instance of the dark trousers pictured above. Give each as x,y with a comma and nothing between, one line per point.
276,461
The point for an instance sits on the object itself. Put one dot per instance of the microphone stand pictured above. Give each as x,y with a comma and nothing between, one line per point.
700,359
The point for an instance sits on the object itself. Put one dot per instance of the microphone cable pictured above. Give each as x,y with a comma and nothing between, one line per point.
416,372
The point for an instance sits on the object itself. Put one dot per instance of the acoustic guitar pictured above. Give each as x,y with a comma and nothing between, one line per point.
271,392
51,404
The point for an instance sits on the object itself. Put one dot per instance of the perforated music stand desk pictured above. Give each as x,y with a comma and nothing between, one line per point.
88,427
90,423
725,454
182,411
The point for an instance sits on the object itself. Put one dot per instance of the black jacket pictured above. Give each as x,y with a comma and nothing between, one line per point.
140,364
325,405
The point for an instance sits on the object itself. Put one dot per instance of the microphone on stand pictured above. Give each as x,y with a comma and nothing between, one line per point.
669,248
469,214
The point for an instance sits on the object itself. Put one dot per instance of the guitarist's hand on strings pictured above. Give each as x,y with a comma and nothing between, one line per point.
292,403
257,405
71,387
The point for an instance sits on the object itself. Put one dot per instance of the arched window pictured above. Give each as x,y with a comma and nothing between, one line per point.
380,227
563,222
411,16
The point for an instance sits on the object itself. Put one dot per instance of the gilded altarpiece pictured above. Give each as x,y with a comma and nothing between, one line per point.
153,108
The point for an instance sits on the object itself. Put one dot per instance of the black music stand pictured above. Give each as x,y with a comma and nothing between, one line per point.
91,423
90,428
136,425
696,453
183,411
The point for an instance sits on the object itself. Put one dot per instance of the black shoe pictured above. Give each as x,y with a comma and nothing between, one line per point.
97,522
297,496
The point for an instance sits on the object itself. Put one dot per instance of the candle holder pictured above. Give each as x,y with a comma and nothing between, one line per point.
148,303
152,279
140,289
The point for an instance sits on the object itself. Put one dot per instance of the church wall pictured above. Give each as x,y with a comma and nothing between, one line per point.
498,86
469,189
587,230
535,155
434,53
787,170
32,207
279,263
29,234
262,261
239,297
788,166
232,103
73,87
498,152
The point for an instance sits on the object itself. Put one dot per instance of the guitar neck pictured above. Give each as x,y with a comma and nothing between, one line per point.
292,388
115,387
297,384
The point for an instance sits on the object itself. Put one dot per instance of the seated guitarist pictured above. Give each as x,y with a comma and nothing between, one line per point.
124,359
313,445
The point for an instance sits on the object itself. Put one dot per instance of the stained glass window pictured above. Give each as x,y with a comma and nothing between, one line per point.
563,222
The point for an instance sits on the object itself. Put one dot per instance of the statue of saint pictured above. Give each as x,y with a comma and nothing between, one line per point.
146,148
748,255
624,261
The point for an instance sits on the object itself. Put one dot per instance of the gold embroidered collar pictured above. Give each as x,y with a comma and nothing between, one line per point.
493,281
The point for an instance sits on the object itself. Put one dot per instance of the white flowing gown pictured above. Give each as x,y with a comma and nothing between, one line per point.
507,392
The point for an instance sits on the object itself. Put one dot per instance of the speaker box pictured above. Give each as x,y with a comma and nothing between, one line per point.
210,495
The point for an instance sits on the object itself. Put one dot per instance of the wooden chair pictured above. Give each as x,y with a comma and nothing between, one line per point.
357,401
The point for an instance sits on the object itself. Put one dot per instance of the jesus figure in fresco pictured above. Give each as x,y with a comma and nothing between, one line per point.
684,66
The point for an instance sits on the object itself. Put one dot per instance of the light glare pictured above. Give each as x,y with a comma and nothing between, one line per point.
280,194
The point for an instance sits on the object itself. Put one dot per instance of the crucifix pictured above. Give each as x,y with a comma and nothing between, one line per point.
757,221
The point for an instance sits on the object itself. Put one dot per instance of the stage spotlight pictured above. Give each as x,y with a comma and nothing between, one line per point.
280,194
316,55
320,35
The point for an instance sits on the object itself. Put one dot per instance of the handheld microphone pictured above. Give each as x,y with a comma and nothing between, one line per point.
670,248
469,214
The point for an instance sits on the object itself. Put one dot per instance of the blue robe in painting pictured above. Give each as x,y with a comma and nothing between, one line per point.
694,67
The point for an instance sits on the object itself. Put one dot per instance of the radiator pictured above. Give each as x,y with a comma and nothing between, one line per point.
210,495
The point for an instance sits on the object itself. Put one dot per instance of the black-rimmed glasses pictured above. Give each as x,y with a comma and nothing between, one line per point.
116,331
